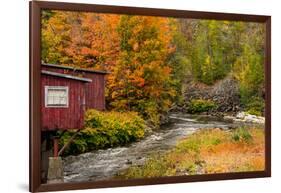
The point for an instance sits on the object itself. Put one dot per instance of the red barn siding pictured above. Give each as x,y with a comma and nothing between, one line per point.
95,96
95,91
63,118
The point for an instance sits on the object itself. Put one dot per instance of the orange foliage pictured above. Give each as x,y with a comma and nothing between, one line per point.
86,40
133,48
235,156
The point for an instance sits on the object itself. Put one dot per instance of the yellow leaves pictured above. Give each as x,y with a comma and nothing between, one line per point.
136,47
90,130
136,77
88,51
140,81
114,94
167,70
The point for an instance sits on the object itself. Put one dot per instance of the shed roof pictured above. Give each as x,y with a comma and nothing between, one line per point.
65,76
75,69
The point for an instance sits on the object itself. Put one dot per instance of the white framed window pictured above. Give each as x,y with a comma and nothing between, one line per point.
56,96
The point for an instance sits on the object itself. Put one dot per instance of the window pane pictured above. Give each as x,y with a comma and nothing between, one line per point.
57,96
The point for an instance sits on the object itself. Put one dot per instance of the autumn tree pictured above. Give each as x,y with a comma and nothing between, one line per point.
87,40
141,79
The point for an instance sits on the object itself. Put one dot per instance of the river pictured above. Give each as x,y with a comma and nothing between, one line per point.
104,164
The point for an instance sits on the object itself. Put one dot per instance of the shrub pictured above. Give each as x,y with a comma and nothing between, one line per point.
242,134
105,129
255,106
200,105
253,111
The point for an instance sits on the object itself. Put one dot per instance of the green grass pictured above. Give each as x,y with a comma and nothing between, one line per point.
206,151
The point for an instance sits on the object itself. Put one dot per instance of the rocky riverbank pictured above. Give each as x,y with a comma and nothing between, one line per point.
220,99
224,93
246,117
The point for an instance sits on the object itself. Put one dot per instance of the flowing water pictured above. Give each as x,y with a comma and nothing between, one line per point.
104,164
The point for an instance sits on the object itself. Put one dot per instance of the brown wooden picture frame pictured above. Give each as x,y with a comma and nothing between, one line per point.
35,8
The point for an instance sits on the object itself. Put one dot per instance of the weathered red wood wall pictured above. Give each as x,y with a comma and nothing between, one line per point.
60,117
95,91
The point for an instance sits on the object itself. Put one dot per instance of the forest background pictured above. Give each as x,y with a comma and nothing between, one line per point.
153,60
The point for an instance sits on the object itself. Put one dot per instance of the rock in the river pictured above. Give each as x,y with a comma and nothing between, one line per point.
129,162
245,117
241,115
254,119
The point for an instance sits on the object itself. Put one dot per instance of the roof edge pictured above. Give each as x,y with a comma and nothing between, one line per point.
65,76
75,69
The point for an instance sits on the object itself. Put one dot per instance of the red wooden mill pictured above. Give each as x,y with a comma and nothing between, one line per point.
66,93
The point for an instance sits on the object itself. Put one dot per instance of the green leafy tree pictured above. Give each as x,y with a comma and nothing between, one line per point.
249,68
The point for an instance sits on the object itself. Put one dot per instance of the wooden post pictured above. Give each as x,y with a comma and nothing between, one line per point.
55,167
69,142
56,146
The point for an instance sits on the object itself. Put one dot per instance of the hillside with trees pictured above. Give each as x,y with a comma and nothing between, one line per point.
154,62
